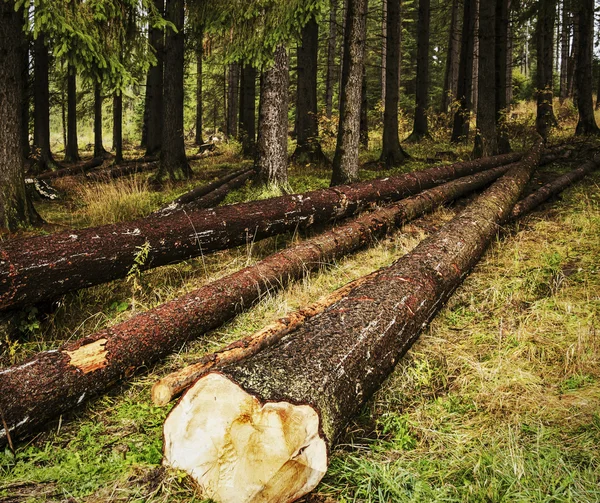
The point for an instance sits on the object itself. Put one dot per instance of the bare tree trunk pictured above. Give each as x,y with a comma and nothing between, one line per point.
272,158
345,161
248,110
502,23
199,97
72,149
41,104
420,127
118,126
574,57
452,59
383,49
154,88
98,101
364,111
233,101
476,52
331,68
564,49
509,61
544,85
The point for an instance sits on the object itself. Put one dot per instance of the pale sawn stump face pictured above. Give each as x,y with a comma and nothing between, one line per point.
239,450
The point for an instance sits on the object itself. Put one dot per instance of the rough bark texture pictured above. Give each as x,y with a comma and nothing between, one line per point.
583,75
72,170
248,110
233,100
44,267
334,362
172,153
545,48
476,52
345,160
364,112
72,148
449,93
272,158
154,91
420,127
118,126
486,141
460,130
564,50
98,99
15,208
392,153
574,56
54,381
383,49
199,58
330,79
308,147
41,104
501,55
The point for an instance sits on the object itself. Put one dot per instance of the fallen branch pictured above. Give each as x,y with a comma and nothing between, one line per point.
261,429
52,382
44,267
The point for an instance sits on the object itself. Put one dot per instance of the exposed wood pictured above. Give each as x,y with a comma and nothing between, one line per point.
225,431
41,268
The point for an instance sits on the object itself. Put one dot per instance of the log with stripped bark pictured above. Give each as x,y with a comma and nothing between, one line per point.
52,382
44,267
262,429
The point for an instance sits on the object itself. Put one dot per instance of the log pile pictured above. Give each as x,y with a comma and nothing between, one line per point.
262,429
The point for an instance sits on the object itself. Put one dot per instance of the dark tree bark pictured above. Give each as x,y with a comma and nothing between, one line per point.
25,100
41,104
509,61
233,100
392,154
272,158
545,48
384,41
248,110
364,111
564,49
118,126
98,100
476,52
16,209
330,79
154,88
450,90
462,116
345,160
45,267
308,147
574,57
72,148
583,75
486,141
172,153
53,382
319,376
501,55
199,98
420,127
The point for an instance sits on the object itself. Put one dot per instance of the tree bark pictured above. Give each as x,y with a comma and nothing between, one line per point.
154,87
476,52
574,57
118,126
384,40
564,49
450,90
272,158
25,98
72,148
462,116
486,141
199,110
98,99
172,153
392,154
308,147
583,75
345,160
233,101
544,85
420,127
16,209
248,110
308,387
330,79
364,111
45,267
501,55
53,382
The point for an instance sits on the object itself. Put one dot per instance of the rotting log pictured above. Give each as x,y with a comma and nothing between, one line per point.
52,382
219,194
44,267
120,170
262,429
72,170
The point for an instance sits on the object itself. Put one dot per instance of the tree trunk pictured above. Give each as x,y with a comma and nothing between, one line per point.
462,116
272,158
308,147
55,381
154,87
392,154
564,49
41,104
345,160
383,50
15,208
98,99
287,405
233,101
545,47
583,75
509,62
25,100
199,58
364,111
574,57
172,153
452,60
72,149
248,110
45,267
476,52
420,127
330,79
502,33
118,126
486,141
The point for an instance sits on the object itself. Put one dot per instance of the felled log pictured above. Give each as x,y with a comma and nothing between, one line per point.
52,382
41,189
72,170
261,429
120,170
44,267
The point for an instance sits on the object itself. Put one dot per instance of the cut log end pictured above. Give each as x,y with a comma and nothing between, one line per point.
240,450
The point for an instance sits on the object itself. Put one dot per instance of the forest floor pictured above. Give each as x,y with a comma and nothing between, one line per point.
498,401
